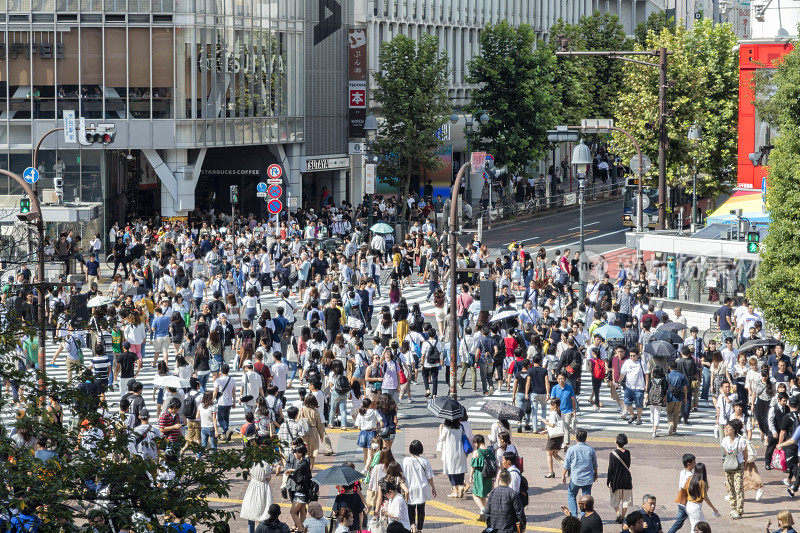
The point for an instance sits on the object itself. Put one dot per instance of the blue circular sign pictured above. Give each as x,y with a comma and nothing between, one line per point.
30,175
274,191
261,187
274,206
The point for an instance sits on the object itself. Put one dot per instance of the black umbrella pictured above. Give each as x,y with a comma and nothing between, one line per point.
502,410
660,349
752,344
337,475
446,407
672,326
667,335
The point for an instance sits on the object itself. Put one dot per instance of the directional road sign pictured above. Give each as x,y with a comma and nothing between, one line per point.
275,191
30,175
274,206
274,171
70,135
261,187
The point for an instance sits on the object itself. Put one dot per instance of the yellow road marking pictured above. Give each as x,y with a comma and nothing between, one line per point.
632,440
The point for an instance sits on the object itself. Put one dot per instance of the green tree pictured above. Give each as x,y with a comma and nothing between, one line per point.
412,95
515,81
94,452
601,78
776,287
705,72
655,24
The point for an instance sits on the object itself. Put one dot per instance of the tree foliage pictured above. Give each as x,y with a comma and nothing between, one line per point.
654,25
93,452
412,95
776,287
705,72
515,82
601,79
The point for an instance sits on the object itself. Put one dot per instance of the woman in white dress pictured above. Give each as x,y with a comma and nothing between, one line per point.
454,459
258,497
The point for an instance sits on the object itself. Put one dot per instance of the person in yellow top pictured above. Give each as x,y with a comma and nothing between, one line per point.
696,489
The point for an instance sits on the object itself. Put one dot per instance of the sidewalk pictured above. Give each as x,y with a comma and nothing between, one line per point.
655,471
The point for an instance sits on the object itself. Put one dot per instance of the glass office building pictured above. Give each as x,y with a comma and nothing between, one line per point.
181,81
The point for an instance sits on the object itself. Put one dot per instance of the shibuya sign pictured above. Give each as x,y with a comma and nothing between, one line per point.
43,50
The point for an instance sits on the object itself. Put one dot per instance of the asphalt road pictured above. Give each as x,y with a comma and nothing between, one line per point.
603,230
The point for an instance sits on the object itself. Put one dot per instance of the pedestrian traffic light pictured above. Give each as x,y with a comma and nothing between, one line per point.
234,194
752,247
25,205
753,236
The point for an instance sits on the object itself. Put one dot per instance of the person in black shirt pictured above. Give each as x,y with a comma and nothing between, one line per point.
126,362
539,390
652,522
319,265
350,499
688,367
590,521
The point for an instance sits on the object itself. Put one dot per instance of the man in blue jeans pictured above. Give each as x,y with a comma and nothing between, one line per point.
688,470
581,465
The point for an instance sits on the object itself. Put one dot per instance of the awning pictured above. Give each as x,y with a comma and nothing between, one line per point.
748,201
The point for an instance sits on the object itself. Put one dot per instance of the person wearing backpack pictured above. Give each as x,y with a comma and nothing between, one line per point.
483,468
431,361
656,397
504,510
189,412
339,394
677,389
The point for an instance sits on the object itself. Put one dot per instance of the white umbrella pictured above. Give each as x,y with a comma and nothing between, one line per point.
98,301
171,381
502,315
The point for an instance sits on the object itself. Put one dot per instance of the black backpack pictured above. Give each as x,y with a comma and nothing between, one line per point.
489,469
675,392
523,490
190,406
342,385
433,357
313,374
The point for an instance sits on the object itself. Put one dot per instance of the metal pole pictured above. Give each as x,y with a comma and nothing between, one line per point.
469,156
453,265
581,278
37,208
693,226
662,138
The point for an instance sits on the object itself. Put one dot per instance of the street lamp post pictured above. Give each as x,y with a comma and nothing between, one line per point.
371,129
453,242
581,159
468,131
696,136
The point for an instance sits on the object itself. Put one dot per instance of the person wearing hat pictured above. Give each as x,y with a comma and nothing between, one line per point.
315,522
170,422
144,438
251,386
124,368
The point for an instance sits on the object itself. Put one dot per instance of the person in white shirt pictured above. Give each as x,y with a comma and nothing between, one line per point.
418,473
730,355
280,371
636,378
251,386
394,506
225,394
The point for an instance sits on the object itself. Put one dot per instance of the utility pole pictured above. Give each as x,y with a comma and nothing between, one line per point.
662,138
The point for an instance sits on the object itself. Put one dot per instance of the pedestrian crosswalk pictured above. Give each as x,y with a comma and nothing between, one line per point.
146,377
608,417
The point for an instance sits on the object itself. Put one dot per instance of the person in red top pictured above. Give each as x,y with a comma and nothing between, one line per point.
463,301
511,345
650,315
170,422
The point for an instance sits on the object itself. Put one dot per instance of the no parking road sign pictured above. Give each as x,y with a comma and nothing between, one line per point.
274,206
275,191
274,171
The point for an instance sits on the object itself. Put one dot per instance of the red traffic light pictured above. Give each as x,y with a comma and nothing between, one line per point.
107,138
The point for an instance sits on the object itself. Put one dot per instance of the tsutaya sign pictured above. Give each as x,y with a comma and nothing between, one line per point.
330,163
43,50
242,57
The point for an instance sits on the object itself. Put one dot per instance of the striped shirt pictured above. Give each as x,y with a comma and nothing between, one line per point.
168,419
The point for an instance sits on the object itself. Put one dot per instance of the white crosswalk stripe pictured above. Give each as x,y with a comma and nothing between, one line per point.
146,376
608,418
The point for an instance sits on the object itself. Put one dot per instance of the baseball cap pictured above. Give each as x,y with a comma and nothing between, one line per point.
144,413
247,362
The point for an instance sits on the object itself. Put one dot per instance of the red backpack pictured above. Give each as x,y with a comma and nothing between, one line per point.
598,368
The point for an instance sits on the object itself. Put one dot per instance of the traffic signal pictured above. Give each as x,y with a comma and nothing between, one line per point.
24,205
97,134
234,194
753,238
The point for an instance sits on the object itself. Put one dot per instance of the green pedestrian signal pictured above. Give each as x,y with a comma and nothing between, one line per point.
24,205
753,236
752,247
